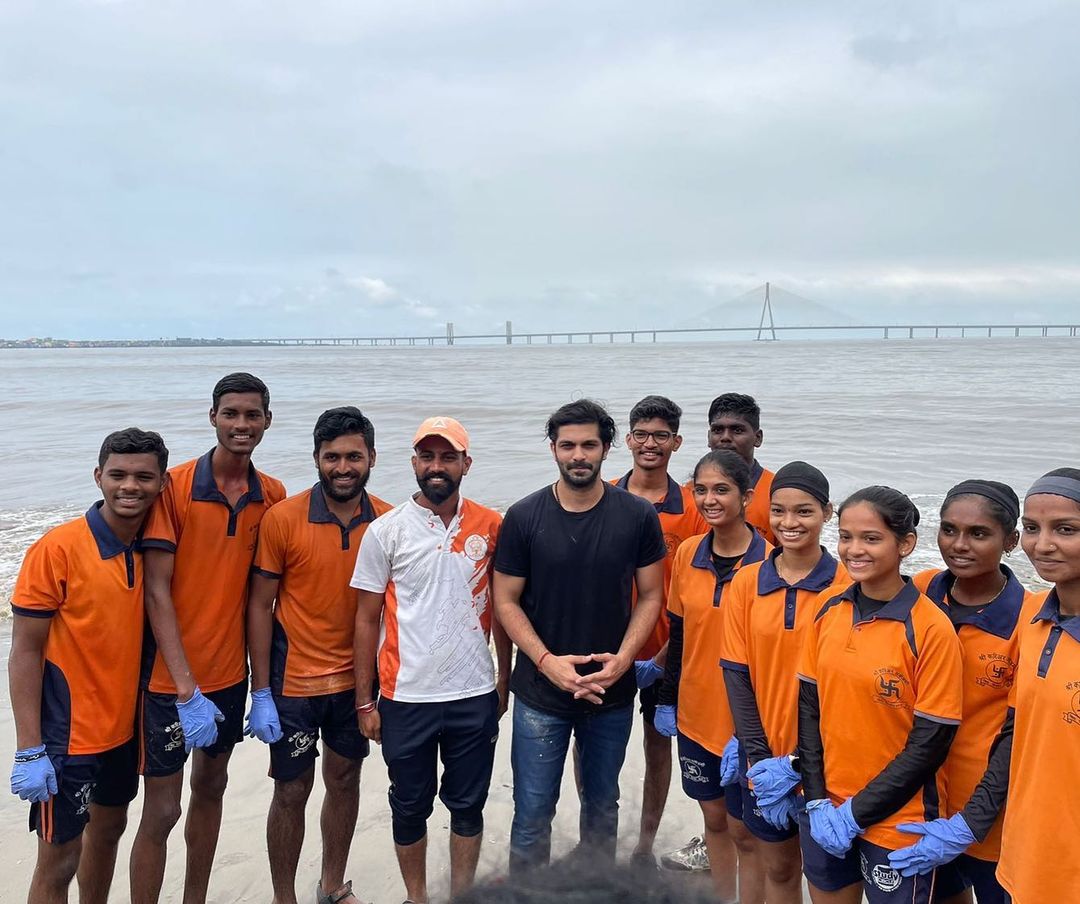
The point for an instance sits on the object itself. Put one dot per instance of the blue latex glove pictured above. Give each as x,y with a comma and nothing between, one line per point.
664,720
262,720
647,672
834,828
198,719
781,814
729,763
32,776
942,840
773,779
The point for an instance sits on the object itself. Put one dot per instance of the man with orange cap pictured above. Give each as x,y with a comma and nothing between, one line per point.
424,609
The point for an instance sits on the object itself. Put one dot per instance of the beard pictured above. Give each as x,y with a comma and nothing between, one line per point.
331,492
437,495
580,481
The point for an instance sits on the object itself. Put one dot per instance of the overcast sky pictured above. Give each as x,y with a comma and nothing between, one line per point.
265,168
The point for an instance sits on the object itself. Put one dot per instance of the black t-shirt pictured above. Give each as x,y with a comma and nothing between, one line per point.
579,577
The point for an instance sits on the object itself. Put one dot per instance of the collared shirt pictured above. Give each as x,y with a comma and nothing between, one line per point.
757,512
679,520
433,641
874,676
214,546
764,626
305,546
90,584
697,595
1038,849
990,645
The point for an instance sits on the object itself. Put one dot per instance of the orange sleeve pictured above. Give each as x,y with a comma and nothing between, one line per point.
939,672
163,524
42,583
923,578
272,546
674,598
733,615
808,661
275,492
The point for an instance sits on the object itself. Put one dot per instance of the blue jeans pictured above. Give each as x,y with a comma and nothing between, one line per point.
538,755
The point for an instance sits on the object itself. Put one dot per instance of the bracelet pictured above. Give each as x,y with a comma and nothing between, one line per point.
540,661
366,708
29,757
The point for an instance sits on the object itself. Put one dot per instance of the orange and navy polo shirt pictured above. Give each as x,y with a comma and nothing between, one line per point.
757,512
679,520
874,676
312,554
990,646
764,627
695,596
214,544
91,585
1038,848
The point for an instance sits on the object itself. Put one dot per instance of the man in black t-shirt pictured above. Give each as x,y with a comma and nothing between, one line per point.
568,559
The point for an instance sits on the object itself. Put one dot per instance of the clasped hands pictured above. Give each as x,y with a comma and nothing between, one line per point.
562,672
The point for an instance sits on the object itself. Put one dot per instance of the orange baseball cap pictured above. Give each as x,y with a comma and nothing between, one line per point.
447,428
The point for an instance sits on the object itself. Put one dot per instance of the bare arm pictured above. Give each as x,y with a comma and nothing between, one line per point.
158,565
504,649
559,670
260,626
650,597
25,665
369,606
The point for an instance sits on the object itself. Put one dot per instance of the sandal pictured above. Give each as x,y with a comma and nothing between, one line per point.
335,897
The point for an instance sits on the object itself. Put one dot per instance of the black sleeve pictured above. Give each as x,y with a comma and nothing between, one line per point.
748,727
811,750
668,694
989,795
651,545
512,551
924,752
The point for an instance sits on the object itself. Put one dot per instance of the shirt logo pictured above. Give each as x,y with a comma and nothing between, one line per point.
476,547
999,671
889,688
671,543
1073,715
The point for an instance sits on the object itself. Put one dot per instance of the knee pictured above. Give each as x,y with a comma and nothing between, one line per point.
293,795
109,824
716,823
408,829
782,872
159,815
467,822
745,842
210,784
58,863
341,776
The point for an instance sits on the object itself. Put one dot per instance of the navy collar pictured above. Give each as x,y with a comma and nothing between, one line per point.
319,512
108,543
822,575
897,609
1051,612
205,489
755,552
998,617
671,504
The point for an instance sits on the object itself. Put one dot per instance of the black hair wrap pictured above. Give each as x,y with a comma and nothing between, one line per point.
1000,493
798,475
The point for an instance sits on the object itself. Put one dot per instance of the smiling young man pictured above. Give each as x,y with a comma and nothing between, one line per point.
301,650
735,423
75,709
652,440
424,614
568,561
200,541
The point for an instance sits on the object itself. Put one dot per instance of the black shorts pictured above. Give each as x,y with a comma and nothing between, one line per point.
162,752
970,872
303,719
109,779
415,735
650,699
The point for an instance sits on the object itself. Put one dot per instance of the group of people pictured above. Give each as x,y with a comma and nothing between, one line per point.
832,717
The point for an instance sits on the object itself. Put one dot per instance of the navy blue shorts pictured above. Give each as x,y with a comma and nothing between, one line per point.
970,872
303,719
162,738
758,826
701,776
866,863
414,737
109,779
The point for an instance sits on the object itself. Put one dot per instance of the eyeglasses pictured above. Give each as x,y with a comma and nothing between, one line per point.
660,437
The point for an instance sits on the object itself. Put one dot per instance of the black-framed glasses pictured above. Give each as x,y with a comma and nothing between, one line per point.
660,437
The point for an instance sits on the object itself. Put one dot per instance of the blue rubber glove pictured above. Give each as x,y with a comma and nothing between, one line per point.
773,779
942,840
833,828
781,814
262,720
198,719
32,776
729,762
664,720
647,672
